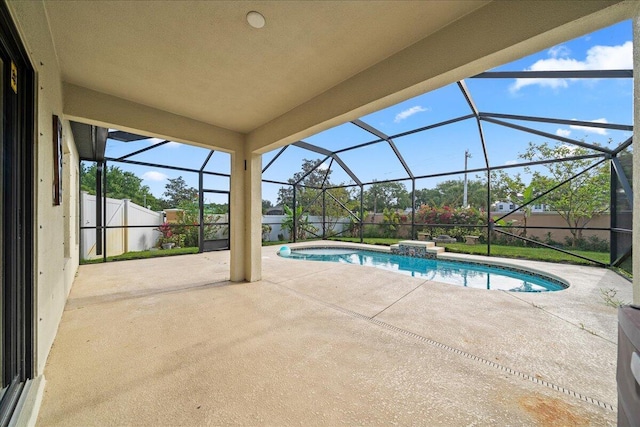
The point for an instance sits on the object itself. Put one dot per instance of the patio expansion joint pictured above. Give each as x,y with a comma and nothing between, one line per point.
398,300
579,326
454,350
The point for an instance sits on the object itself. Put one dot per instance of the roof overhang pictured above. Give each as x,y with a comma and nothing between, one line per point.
91,141
196,72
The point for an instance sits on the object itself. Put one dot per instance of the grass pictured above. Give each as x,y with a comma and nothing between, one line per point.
530,252
533,253
625,269
277,242
144,254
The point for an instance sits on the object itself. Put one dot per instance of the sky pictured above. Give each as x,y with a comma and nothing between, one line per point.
442,149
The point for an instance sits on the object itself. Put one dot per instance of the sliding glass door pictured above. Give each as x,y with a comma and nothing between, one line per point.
16,216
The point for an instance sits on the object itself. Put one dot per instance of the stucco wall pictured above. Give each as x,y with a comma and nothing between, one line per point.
56,248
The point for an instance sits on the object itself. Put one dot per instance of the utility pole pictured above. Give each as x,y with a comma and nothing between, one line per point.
467,155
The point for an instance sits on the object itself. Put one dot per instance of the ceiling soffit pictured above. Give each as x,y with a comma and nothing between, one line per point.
203,61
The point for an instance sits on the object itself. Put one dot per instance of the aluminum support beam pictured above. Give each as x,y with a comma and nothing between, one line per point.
570,74
204,164
142,150
559,121
380,134
552,189
274,158
465,92
623,146
622,177
320,150
548,135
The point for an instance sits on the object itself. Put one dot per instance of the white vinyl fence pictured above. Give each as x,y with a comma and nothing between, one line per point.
119,240
275,221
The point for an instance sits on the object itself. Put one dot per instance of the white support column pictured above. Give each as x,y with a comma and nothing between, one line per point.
246,216
636,157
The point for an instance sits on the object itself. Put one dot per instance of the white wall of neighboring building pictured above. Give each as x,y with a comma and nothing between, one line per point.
509,206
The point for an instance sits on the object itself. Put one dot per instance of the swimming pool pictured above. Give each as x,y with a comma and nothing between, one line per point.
467,274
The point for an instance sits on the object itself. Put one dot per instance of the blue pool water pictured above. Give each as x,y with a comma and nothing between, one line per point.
466,274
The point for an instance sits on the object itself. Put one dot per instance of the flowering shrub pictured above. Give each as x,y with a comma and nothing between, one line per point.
447,220
169,235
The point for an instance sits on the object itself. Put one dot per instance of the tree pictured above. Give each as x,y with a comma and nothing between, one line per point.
508,188
266,205
385,195
505,187
309,195
336,200
300,219
176,192
578,200
450,193
120,185
317,178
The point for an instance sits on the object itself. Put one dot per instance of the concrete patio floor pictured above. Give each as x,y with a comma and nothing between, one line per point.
170,341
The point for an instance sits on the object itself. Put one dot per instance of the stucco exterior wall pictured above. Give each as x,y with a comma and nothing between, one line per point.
553,219
56,246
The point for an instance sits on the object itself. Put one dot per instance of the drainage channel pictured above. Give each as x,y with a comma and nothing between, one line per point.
454,350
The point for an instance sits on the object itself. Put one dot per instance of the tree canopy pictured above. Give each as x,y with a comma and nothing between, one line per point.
177,192
578,200
120,185
450,193
386,195
316,178
309,193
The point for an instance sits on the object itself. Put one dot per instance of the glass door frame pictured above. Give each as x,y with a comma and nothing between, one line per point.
18,225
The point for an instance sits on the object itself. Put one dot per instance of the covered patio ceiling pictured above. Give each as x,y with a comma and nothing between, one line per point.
197,72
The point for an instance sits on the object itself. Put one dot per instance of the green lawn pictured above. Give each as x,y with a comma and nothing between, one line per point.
533,253
281,242
144,254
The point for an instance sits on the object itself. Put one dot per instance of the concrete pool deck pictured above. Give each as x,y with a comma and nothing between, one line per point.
169,341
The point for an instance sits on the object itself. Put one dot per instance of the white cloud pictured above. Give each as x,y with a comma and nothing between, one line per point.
511,162
410,112
559,51
587,129
172,144
598,58
154,176
563,132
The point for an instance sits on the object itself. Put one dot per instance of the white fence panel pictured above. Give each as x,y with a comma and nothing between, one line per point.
119,240
275,221
142,239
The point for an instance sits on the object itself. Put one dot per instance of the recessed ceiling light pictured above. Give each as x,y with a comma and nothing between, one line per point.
255,19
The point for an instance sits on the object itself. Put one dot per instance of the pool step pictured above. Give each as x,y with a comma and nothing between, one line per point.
417,249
